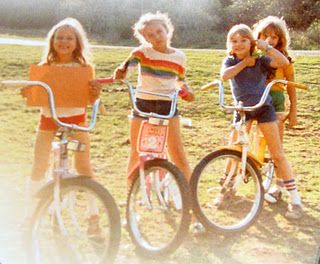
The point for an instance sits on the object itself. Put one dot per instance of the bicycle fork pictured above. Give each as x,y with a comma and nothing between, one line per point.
146,183
59,152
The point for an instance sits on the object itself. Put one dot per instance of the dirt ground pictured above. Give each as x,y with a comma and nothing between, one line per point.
270,240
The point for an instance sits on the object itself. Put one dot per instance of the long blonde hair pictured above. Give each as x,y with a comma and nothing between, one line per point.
279,27
81,54
148,18
245,32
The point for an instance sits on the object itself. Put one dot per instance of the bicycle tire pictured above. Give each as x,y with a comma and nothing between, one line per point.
244,203
100,248
139,232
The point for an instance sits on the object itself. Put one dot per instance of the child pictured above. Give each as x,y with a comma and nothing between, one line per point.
161,70
67,46
274,31
248,76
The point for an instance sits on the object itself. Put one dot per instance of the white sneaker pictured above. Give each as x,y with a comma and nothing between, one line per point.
273,196
198,229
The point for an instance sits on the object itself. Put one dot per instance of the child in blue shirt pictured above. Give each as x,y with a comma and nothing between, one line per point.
248,80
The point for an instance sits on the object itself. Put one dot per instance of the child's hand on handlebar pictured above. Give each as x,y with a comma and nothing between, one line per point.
95,88
186,93
119,74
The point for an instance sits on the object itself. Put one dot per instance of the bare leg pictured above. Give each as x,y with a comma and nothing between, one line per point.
270,131
41,154
176,149
134,155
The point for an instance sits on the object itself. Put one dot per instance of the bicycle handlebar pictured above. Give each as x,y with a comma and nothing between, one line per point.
239,106
52,104
173,97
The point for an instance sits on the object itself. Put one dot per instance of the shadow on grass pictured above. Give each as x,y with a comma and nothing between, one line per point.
272,236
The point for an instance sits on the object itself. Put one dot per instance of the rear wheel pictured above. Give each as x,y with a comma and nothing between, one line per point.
223,200
88,230
158,230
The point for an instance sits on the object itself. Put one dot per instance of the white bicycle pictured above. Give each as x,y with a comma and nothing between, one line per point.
61,231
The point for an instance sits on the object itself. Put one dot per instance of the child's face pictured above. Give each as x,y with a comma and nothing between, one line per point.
270,37
156,34
64,41
240,46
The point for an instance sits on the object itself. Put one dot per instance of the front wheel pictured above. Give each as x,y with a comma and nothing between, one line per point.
85,229
158,215
223,199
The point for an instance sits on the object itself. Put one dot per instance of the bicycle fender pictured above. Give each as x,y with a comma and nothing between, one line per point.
258,163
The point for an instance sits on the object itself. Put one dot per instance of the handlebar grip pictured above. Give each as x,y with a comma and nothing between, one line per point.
209,85
106,80
297,85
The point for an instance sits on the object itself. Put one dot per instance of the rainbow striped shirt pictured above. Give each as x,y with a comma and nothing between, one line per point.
158,72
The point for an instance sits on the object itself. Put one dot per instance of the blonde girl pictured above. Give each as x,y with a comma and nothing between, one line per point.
274,31
162,70
248,76
67,46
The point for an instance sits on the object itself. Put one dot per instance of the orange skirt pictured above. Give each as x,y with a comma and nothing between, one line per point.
47,123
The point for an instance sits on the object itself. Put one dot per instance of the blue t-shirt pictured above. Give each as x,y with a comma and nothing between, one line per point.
249,84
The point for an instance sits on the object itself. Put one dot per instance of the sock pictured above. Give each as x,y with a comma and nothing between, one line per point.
293,191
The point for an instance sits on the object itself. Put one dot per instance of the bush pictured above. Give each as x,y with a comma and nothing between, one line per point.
309,39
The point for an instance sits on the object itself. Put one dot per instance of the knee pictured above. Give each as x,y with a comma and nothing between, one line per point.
278,157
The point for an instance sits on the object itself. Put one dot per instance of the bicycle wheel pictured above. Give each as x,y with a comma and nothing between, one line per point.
89,230
223,206
158,230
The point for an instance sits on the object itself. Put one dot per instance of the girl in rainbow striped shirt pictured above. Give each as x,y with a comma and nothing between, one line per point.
161,70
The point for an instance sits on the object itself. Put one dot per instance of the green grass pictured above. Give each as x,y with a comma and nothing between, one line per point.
272,234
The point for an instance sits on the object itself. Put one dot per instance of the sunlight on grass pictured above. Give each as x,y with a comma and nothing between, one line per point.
110,147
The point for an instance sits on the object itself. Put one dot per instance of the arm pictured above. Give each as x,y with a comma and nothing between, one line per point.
186,93
277,58
292,116
132,61
230,72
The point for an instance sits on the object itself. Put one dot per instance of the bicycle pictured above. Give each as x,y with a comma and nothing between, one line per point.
59,230
158,205
226,185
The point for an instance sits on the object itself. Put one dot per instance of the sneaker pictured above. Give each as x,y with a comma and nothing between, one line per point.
198,229
273,196
93,226
295,211
217,202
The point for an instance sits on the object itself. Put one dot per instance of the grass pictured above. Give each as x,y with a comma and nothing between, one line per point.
289,242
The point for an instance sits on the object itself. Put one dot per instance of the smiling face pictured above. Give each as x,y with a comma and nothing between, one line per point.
65,42
240,45
157,35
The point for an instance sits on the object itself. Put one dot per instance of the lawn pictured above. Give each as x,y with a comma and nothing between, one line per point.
287,241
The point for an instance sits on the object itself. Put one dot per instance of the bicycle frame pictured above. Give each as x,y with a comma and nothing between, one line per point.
243,142
152,138
61,167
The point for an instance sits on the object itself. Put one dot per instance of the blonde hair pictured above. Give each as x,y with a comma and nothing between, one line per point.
147,19
279,27
245,32
81,53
